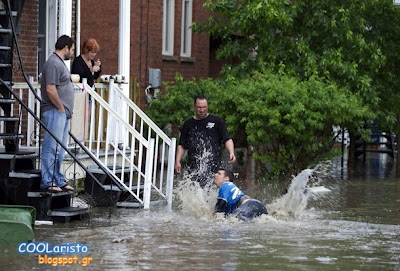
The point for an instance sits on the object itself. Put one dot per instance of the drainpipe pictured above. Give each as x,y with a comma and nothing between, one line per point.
51,21
124,42
65,21
78,28
124,51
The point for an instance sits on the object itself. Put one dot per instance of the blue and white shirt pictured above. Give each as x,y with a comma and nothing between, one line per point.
230,193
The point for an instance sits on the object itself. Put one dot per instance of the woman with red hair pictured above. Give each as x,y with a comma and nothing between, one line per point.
84,65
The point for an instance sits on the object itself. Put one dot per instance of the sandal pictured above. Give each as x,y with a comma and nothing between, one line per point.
53,189
67,187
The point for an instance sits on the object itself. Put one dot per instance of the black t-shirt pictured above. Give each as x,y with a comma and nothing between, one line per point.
202,139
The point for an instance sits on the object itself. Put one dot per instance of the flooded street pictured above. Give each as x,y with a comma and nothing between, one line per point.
356,226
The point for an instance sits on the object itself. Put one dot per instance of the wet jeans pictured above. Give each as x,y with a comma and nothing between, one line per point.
52,153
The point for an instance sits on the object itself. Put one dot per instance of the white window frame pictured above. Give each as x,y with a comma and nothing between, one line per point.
168,27
186,30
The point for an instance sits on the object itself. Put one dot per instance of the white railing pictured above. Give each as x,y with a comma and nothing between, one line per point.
129,136
127,143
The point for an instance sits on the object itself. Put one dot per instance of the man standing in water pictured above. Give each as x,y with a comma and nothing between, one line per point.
56,110
202,135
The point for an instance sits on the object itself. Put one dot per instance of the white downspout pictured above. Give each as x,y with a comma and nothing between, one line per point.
124,43
124,54
51,37
65,21
78,28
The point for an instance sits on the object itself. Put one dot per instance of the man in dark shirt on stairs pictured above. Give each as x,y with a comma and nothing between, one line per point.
202,136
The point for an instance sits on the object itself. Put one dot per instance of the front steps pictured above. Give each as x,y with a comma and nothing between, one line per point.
20,185
108,193
56,206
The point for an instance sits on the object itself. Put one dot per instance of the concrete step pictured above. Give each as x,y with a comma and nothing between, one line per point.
68,213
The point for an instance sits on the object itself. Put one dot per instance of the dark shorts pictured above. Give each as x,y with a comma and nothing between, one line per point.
249,210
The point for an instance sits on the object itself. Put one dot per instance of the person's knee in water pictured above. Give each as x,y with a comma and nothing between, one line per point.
249,209
232,201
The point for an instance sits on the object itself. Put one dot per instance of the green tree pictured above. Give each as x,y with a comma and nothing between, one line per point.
353,44
299,68
288,121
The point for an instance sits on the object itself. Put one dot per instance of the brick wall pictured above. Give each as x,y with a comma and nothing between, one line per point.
28,41
99,19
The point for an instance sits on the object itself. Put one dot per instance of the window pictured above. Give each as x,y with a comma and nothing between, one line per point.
186,35
168,28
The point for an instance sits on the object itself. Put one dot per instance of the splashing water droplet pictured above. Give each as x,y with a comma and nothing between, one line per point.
294,202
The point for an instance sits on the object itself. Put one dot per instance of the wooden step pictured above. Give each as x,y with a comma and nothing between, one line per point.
2,65
5,48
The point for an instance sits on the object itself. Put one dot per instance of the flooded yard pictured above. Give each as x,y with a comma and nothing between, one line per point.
356,226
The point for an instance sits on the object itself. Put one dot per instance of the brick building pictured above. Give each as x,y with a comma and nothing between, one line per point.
160,37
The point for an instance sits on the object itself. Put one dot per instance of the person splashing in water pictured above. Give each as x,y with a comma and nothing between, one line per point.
202,137
232,201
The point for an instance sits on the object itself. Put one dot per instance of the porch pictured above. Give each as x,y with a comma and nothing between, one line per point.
117,136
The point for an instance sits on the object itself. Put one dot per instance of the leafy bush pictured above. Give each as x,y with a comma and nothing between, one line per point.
288,121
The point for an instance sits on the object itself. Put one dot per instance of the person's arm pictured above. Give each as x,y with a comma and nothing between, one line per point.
54,98
179,155
79,67
231,150
220,206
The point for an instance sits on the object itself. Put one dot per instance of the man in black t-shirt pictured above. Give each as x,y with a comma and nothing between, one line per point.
202,136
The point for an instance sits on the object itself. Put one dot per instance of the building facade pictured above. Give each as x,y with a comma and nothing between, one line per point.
160,37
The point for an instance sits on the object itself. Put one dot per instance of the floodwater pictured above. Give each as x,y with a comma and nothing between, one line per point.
356,226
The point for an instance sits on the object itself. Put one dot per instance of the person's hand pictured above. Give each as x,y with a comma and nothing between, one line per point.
178,167
96,66
232,158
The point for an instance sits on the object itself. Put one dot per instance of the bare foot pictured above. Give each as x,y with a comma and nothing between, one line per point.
54,189
68,187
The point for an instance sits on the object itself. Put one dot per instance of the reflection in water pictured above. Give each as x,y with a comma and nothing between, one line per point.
354,227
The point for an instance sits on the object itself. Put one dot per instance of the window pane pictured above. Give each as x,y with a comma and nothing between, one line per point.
168,27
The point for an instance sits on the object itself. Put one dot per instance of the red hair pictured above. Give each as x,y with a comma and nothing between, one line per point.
90,45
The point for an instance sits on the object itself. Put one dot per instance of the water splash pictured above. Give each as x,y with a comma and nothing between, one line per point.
294,202
195,201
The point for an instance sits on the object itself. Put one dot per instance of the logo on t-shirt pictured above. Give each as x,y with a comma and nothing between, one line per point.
210,125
